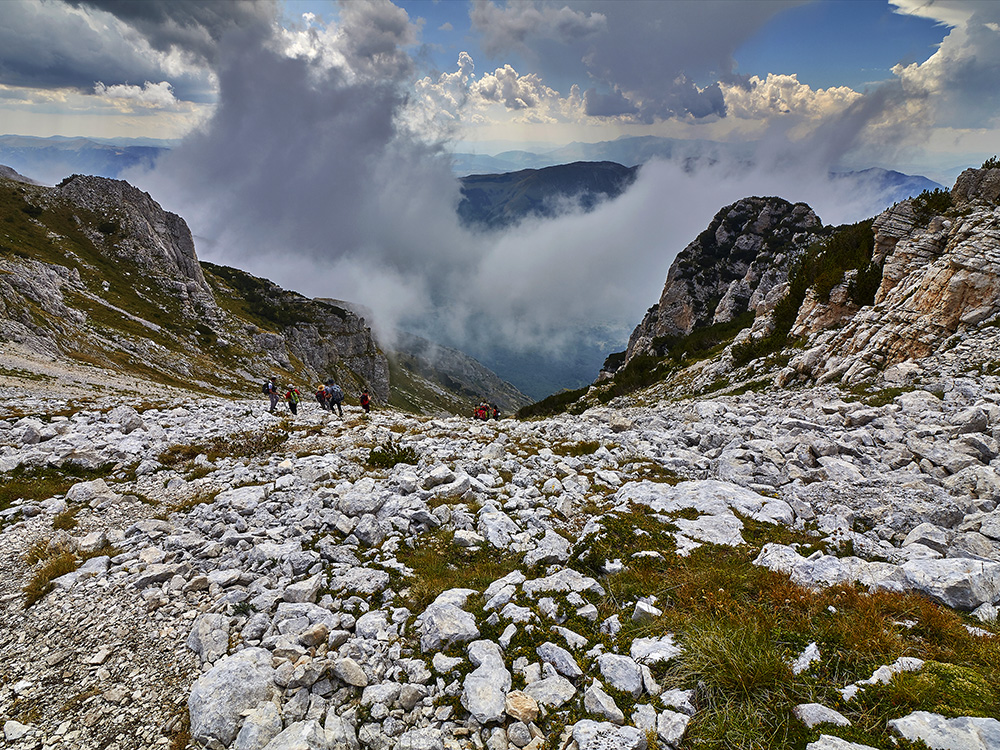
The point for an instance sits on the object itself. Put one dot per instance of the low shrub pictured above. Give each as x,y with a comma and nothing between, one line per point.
390,453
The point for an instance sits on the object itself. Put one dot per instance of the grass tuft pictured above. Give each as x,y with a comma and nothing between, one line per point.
41,582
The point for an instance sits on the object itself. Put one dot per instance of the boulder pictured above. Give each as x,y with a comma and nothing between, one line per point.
218,698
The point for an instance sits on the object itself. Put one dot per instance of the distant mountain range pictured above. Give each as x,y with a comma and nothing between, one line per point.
497,200
49,160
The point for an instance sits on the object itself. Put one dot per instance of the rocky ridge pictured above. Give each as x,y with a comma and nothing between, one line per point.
95,270
932,269
294,597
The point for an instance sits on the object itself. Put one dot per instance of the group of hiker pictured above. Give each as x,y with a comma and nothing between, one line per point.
329,395
486,411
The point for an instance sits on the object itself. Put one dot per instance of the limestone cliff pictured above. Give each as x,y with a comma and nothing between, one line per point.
728,270
805,303
940,278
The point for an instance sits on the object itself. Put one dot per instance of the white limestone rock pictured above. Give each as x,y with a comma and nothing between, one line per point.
621,673
814,714
260,726
963,733
599,703
218,698
559,658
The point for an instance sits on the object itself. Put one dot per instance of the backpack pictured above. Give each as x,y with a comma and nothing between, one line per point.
267,388
336,393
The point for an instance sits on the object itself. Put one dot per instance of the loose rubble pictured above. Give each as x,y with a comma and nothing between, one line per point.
266,601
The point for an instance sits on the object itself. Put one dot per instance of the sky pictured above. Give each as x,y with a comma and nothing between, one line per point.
313,136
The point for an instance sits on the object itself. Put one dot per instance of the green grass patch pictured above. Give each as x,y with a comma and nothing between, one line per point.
40,582
438,565
390,453
240,444
557,403
34,483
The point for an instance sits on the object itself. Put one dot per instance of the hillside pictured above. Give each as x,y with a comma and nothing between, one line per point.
767,295
95,271
494,201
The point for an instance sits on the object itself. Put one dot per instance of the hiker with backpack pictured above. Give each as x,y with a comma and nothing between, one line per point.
321,397
334,395
366,401
293,396
271,391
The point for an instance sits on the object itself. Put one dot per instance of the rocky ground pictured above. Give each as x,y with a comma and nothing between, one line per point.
236,579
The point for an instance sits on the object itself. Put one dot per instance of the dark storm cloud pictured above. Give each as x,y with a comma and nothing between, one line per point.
51,45
192,26
606,105
653,52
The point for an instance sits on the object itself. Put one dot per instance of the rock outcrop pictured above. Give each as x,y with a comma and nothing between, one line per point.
729,270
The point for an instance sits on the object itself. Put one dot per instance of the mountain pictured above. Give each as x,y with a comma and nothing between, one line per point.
768,295
494,201
776,526
428,378
51,159
95,271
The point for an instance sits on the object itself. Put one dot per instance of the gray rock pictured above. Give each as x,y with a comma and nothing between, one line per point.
237,683
593,735
928,535
349,671
360,581
654,650
340,732
304,591
828,742
302,735
518,734
963,733
814,714
260,726
209,636
671,726
14,730
552,691
559,658
425,738
486,687
599,703
443,624
959,583
552,549
621,673
563,581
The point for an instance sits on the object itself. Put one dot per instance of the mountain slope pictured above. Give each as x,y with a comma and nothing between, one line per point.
96,271
499,200
766,295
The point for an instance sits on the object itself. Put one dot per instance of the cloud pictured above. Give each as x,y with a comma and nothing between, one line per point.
777,94
50,45
649,55
514,91
193,27
519,24
149,95
958,83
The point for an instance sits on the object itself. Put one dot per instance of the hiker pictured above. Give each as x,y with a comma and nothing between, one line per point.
292,396
271,391
321,397
482,411
494,411
366,401
334,395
